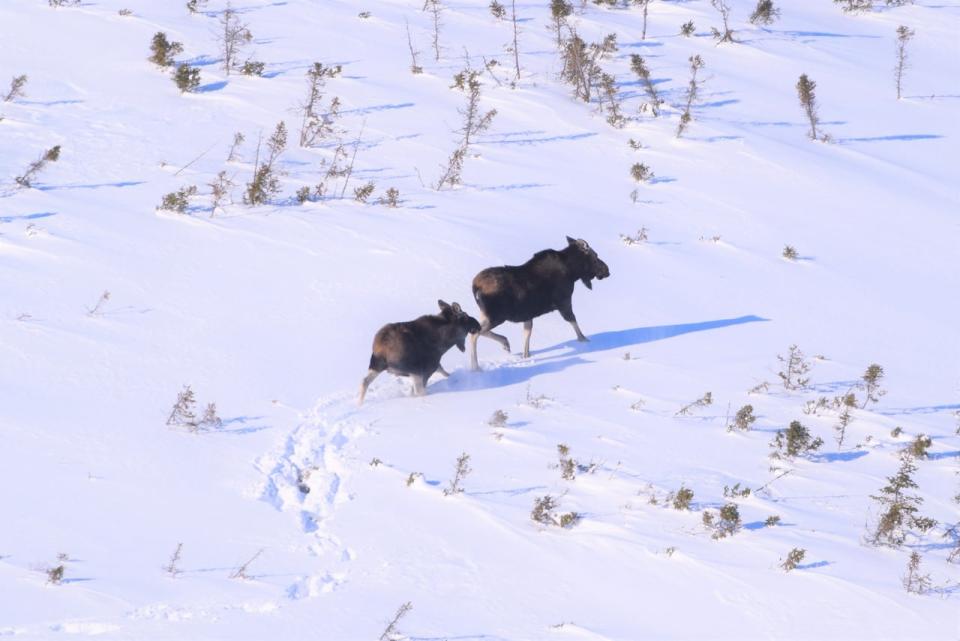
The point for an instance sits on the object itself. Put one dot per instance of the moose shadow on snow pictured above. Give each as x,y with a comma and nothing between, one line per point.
638,335
522,372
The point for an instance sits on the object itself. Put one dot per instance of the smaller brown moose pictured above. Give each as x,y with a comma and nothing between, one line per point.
414,348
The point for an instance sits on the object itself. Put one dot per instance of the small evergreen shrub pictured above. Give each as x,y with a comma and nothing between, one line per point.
794,559
794,441
764,13
187,78
162,50
178,201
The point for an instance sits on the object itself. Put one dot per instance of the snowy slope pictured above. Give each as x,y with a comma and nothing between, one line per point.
269,312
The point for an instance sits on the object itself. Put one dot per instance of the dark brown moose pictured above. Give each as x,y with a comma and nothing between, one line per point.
414,348
520,293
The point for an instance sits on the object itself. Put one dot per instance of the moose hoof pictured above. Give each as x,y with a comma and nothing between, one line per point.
506,347
583,339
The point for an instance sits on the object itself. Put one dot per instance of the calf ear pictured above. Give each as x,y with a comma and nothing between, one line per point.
443,305
456,308
571,241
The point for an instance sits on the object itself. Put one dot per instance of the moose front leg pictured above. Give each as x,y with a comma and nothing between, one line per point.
442,372
371,374
527,330
566,310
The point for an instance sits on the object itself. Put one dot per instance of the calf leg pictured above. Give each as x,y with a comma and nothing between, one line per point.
371,374
484,331
527,330
566,310
419,385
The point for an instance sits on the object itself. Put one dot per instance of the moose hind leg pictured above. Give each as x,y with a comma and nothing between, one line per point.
499,338
371,374
527,330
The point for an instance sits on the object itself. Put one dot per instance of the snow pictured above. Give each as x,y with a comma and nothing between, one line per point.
269,312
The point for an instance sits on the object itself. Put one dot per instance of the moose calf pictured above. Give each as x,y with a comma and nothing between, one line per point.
414,348
520,293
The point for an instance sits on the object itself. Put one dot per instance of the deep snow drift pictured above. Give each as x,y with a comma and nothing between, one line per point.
269,312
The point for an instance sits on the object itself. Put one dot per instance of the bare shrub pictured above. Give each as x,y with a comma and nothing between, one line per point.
904,35
736,491
435,8
194,6
687,29
241,571
38,165
17,83
238,139
691,95
560,10
390,632
704,401
220,191
581,63
795,369
415,67
636,239
390,198
474,122
915,581
171,566
790,252
97,308
806,92
855,6
265,183
317,124
727,34
639,67
460,472
233,36
846,402
497,10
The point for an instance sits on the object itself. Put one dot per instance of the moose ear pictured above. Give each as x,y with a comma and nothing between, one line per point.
571,241
443,305
456,308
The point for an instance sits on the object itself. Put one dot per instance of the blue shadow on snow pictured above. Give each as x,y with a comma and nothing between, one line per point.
626,337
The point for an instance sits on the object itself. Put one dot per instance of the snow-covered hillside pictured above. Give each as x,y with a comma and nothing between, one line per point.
269,312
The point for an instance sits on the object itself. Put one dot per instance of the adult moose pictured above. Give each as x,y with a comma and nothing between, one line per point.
414,348
520,293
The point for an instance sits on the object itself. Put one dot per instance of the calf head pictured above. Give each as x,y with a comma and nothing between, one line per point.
591,265
461,322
